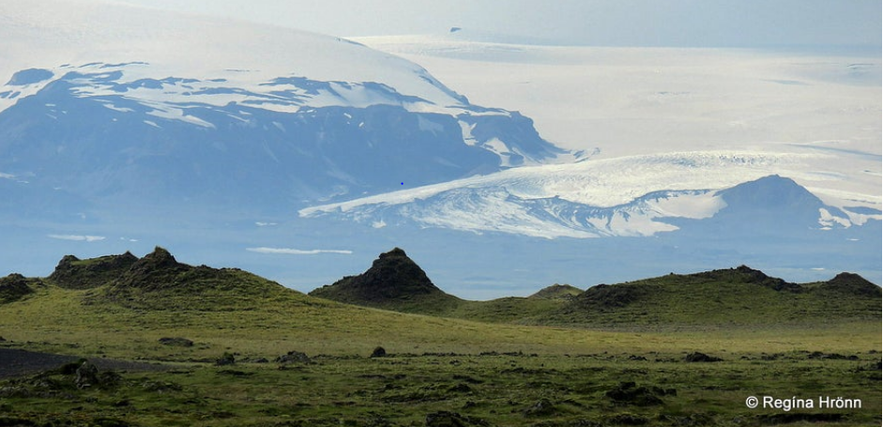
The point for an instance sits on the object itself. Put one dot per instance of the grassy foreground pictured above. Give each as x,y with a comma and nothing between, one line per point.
437,372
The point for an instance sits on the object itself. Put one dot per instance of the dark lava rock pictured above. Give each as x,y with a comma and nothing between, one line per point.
226,359
176,342
701,357
378,352
628,393
73,273
87,375
156,270
293,357
392,276
15,286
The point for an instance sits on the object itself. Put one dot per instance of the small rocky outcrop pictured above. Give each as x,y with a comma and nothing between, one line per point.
154,271
629,393
225,360
15,286
293,357
379,352
701,357
86,375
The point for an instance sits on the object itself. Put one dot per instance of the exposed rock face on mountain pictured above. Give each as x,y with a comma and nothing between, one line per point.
394,281
74,273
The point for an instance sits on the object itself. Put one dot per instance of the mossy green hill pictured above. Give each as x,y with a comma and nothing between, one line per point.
556,291
729,297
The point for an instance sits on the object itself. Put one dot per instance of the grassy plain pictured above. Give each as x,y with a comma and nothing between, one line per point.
437,371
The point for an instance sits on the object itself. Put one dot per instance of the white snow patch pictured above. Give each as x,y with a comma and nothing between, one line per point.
115,108
827,220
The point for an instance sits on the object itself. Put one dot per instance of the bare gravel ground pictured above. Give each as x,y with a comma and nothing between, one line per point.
17,363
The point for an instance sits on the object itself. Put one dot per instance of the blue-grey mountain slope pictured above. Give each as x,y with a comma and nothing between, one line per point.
98,133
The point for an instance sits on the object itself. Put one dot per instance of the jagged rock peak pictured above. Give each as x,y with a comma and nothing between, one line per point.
67,260
394,252
160,256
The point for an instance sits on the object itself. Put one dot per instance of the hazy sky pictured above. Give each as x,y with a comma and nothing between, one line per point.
703,23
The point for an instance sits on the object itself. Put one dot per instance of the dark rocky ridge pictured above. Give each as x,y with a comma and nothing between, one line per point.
155,281
74,273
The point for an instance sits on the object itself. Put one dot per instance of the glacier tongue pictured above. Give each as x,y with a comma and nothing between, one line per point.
596,199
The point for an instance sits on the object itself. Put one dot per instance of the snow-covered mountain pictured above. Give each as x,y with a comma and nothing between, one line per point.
323,119
108,128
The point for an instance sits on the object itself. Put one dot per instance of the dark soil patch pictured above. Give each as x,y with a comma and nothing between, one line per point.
17,363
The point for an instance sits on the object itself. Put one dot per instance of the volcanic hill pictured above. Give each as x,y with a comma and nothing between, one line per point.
738,296
726,297
394,282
